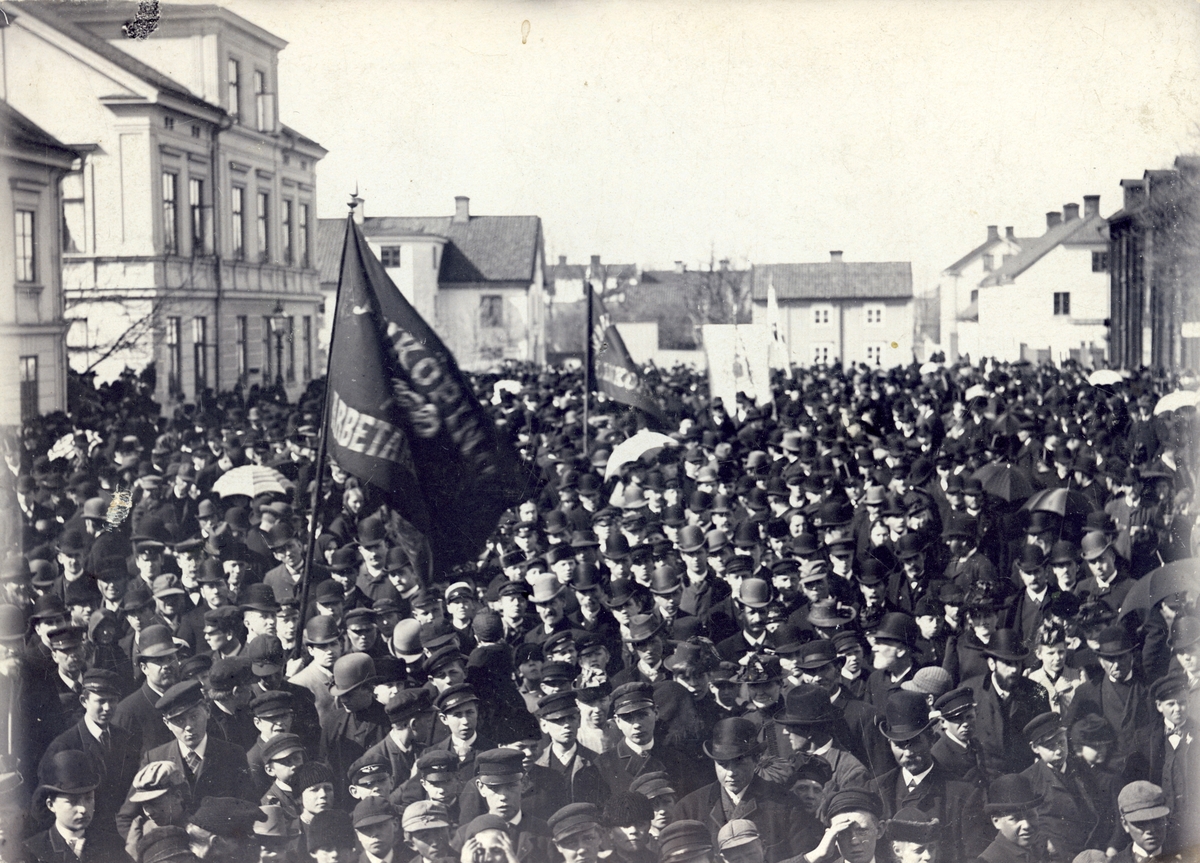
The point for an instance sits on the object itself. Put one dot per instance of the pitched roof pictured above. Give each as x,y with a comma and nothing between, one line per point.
834,280
22,133
330,235
481,249
46,13
565,271
1079,231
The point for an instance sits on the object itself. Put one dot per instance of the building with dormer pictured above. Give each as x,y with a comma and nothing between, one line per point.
188,227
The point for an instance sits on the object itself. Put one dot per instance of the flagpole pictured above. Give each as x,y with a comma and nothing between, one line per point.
587,362
322,440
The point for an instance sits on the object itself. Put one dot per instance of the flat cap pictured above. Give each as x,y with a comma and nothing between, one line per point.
424,815
574,818
179,699
855,800
154,780
631,697
499,766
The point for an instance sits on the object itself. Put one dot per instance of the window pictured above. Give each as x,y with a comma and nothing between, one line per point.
264,248
168,122
821,354
29,387
989,263
1099,262
820,316
1062,303
73,230
235,91
196,205
975,295
306,356
268,363
874,316
260,101
287,232
26,247
389,256
195,131
491,311
289,340
302,237
170,214
875,355
200,353
174,357
243,347
238,208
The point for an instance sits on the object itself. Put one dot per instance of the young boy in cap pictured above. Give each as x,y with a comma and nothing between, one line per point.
458,708
913,836
401,746
159,797
374,822
629,816
67,786
575,829
1011,804
313,782
738,842
330,837
282,756
273,715
1144,815
499,775
369,776
436,778
426,827
558,718
635,714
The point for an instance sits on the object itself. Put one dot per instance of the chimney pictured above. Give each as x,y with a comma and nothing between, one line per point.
724,265
1135,193
562,260
1091,206
462,208
1070,212
595,265
835,256
1009,234
993,233
1053,219
680,267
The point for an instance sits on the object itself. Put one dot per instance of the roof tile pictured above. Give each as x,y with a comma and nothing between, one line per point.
829,280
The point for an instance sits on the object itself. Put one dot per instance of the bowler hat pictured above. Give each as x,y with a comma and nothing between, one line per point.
898,627
733,737
371,532
1092,730
155,642
259,597
322,629
1006,645
816,653
546,588
67,772
1041,521
827,614
1094,545
905,716
691,539
754,593
910,546
872,572
912,825
1185,632
350,672
1114,641
1011,794
643,627
1032,559
807,705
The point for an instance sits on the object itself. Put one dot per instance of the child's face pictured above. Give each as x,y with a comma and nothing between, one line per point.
283,768
632,837
1092,754
72,811
317,798
333,855
809,792
270,726
164,810
1053,657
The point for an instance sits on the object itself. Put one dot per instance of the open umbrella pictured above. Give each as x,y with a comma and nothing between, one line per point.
1007,423
1104,377
1179,576
1066,502
251,480
1176,400
930,368
644,443
1005,481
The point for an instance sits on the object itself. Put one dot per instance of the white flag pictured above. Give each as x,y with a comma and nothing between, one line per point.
781,357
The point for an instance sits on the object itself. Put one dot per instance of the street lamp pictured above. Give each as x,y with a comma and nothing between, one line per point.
278,325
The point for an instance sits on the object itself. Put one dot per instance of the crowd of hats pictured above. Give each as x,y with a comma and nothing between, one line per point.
845,514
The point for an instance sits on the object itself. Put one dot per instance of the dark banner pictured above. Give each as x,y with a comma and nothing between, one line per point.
404,419
610,368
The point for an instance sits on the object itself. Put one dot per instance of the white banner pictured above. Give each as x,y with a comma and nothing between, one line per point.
739,360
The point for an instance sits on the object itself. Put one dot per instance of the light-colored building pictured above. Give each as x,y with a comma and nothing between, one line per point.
477,280
1050,301
959,290
188,230
855,312
33,378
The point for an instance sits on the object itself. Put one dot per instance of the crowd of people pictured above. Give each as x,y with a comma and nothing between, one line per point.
937,613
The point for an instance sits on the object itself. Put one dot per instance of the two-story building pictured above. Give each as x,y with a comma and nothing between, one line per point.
477,280
33,378
853,312
1049,301
959,291
188,229
1154,263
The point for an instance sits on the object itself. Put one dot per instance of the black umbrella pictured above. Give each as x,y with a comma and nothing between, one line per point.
1005,481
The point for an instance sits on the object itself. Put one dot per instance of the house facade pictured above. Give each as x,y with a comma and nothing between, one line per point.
1154,270
853,312
1049,301
478,280
32,331
959,291
189,227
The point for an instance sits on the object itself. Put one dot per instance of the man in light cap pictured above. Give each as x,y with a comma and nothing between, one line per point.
738,842
1144,813
426,825
374,822
158,797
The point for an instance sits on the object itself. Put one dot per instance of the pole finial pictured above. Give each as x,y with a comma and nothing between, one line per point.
355,200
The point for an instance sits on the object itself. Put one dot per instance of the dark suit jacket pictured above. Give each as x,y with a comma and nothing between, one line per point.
956,804
116,768
98,847
999,725
224,772
962,764
1074,812
1003,851
582,777
783,827
620,765
138,715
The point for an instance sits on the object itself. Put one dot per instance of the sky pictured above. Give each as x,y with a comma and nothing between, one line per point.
764,132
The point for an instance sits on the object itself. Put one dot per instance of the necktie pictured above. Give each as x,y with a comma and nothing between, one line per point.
106,740
193,762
